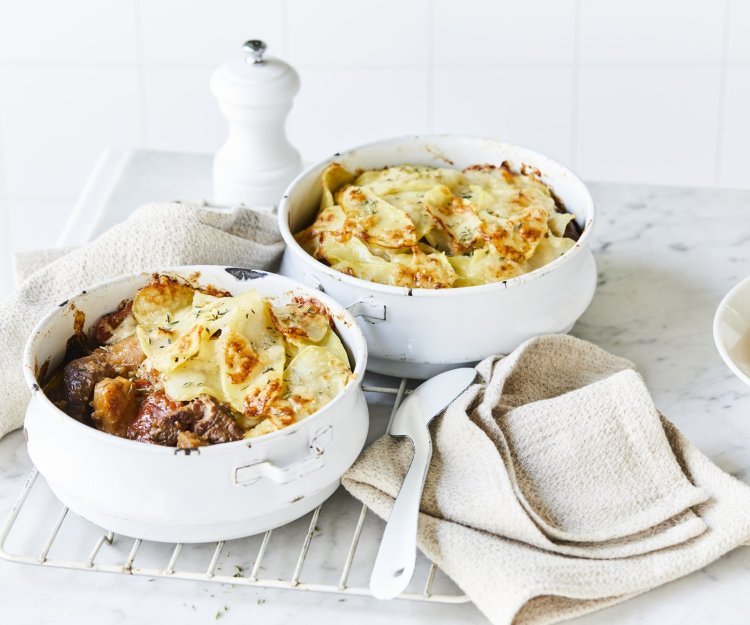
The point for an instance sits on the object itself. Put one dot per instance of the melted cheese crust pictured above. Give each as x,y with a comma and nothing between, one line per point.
430,227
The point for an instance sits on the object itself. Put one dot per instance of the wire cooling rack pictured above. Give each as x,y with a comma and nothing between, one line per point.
330,550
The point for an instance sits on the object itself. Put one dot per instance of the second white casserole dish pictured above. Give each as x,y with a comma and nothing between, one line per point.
211,493
421,332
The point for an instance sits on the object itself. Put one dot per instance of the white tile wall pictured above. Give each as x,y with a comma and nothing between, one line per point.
735,154
31,220
739,31
74,32
531,106
327,119
654,124
342,33
179,116
201,33
504,32
650,91
5,236
651,32
55,123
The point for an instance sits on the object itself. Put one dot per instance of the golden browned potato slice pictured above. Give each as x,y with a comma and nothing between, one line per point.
313,378
160,302
517,237
408,178
454,215
330,219
483,266
377,221
549,249
334,177
423,271
305,319
330,342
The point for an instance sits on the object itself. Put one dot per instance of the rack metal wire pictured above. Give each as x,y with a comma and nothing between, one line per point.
177,568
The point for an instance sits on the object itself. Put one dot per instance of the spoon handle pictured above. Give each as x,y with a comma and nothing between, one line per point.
394,566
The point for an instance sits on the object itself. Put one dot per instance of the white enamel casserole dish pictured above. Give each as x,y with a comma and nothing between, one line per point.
211,493
420,332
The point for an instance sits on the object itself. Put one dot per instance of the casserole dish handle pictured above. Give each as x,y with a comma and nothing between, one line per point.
369,309
251,473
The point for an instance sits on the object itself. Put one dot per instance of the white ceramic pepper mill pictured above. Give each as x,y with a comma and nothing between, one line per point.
257,162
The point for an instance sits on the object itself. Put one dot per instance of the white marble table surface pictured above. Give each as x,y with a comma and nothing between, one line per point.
666,256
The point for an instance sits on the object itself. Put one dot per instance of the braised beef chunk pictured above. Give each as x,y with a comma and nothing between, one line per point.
215,422
161,420
115,405
79,379
572,230
81,375
76,347
106,326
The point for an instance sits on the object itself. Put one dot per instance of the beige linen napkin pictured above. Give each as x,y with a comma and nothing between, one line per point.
154,237
556,488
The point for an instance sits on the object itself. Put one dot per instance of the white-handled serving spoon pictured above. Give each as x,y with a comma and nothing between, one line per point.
397,555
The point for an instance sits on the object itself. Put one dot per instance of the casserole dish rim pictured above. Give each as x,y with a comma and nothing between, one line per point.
359,346
294,247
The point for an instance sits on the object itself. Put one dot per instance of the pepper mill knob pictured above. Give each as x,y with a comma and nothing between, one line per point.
255,49
257,162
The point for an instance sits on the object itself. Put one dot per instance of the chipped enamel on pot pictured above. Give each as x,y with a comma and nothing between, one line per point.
420,332
217,492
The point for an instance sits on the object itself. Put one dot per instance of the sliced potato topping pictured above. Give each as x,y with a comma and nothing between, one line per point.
430,227
302,319
161,301
375,220
311,380
242,351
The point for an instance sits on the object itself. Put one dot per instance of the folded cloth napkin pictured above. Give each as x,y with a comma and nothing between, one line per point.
556,487
154,237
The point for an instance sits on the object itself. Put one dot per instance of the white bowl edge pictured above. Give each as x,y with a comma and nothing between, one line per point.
728,319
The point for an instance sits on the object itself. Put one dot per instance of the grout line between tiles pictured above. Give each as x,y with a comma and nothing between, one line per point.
384,66
576,89
6,253
521,65
722,96
141,75
285,31
33,197
431,113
